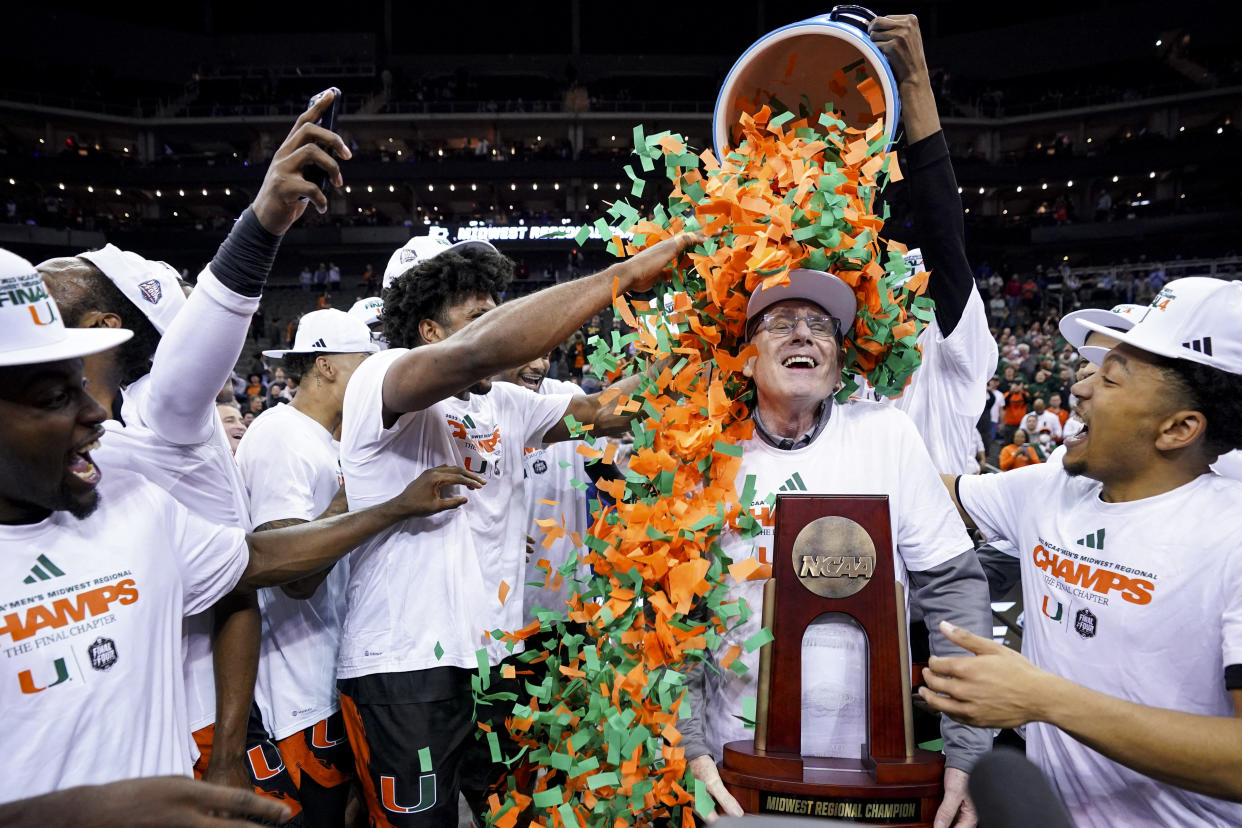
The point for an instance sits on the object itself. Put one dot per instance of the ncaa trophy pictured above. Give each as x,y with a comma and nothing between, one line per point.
834,554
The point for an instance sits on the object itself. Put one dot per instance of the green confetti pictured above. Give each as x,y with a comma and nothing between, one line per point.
568,816
601,780
784,117
493,744
485,668
728,448
439,651
703,802
764,636
549,798
424,760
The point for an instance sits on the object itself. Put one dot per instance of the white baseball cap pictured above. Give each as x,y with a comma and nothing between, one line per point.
153,287
31,329
422,248
1118,318
1197,318
329,331
367,311
824,289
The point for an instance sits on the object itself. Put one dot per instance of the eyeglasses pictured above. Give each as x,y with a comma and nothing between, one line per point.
821,326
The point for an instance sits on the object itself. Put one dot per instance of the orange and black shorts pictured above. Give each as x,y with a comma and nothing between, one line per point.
414,738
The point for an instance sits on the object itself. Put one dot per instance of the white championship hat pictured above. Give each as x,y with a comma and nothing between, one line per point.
31,329
154,287
824,289
1197,318
329,331
1119,318
367,311
422,248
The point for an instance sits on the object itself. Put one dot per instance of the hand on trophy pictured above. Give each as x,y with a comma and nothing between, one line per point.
956,802
704,770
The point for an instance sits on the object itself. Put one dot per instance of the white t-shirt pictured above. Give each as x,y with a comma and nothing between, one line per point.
549,472
289,462
1051,422
203,478
865,448
437,580
1141,601
948,390
90,636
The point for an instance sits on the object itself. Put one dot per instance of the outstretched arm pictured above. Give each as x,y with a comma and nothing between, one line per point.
304,588
205,340
517,331
997,687
279,556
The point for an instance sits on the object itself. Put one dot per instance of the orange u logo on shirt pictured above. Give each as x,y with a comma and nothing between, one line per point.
26,679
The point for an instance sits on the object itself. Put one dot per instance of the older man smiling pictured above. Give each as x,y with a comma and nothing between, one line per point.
804,441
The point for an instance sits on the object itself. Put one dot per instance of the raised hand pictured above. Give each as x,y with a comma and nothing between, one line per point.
279,203
898,38
642,271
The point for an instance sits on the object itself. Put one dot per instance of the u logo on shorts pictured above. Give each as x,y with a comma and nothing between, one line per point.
426,794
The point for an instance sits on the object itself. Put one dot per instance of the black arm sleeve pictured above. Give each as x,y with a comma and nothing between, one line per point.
939,230
246,256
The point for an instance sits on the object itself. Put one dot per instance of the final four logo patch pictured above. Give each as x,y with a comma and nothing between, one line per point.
102,653
152,291
1084,623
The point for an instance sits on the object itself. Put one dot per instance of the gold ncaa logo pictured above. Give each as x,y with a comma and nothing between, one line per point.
834,557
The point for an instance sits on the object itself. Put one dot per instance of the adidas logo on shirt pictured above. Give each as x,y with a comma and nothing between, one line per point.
1093,541
319,343
43,570
793,484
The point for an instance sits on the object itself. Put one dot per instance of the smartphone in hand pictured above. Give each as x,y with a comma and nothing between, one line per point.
315,175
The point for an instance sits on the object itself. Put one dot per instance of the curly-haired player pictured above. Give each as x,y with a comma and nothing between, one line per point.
420,599
442,282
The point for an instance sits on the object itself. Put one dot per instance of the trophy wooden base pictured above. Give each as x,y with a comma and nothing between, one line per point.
904,794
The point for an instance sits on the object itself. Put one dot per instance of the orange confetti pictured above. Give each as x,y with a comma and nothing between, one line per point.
503,592
743,569
871,92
